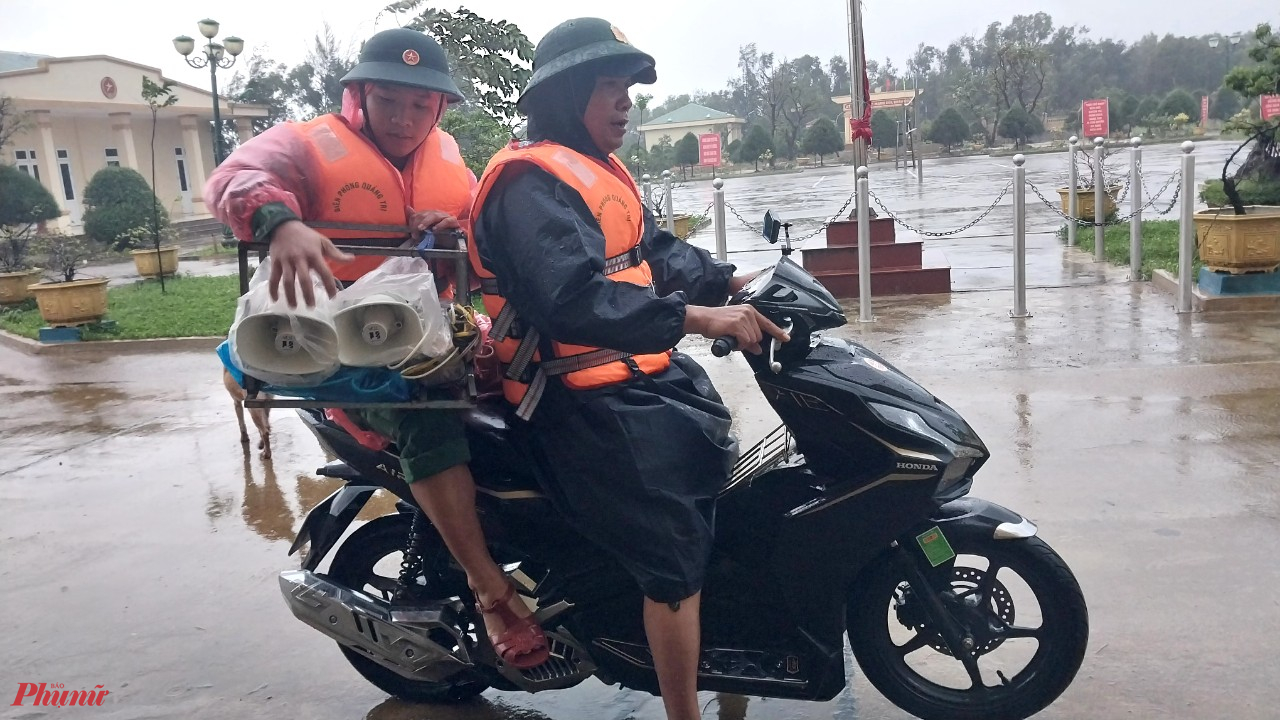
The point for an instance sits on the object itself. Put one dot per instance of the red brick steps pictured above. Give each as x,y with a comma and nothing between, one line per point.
897,268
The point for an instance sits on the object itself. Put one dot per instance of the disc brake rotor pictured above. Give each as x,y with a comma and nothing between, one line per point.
997,607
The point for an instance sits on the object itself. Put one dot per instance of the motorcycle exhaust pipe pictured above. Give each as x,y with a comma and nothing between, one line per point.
397,639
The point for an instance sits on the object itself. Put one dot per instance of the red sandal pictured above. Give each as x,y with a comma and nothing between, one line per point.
523,645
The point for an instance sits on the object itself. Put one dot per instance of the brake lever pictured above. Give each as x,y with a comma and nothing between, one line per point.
775,344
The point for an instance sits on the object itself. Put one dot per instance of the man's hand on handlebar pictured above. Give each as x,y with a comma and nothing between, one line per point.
741,322
296,252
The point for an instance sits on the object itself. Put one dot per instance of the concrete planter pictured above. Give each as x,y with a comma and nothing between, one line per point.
72,303
1084,202
151,263
684,225
1239,243
13,285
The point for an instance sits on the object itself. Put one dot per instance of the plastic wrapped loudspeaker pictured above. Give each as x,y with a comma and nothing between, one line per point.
285,348
377,331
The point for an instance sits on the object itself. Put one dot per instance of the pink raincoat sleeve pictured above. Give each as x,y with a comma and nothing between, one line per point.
272,167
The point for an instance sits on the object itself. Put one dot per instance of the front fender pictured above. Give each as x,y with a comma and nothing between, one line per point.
965,522
327,521
975,517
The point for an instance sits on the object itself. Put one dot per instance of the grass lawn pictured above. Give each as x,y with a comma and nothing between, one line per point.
1159,245
191,307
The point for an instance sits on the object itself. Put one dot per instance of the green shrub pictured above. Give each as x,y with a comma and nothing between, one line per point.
24,202
1252,192
117,200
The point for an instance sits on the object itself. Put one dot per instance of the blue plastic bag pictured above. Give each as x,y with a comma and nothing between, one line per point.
349,384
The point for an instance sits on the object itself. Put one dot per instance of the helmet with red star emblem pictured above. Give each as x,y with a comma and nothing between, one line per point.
401,56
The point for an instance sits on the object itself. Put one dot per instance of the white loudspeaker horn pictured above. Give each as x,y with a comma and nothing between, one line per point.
377,331
285,349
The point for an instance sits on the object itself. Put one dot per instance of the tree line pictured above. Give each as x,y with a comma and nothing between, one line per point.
1002,83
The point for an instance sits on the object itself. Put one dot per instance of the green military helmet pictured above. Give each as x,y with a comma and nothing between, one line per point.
576,42
401,56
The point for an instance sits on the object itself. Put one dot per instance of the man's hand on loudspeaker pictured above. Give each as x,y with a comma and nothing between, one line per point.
296,252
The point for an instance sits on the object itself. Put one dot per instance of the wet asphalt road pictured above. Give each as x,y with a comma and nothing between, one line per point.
141,543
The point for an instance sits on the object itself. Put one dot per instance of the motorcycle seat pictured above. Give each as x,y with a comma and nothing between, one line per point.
489,419
497,462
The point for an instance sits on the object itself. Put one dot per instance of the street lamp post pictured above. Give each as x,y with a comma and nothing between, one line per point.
1232,42
1214,42
213,56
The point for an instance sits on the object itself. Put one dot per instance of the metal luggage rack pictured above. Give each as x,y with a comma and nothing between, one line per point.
774,449
464,390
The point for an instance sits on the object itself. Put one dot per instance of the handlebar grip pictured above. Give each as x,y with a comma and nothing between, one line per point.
724,345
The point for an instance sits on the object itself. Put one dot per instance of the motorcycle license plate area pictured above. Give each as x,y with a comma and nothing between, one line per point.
935,547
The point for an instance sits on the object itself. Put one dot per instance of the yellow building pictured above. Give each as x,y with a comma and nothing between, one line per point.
85,113
691,118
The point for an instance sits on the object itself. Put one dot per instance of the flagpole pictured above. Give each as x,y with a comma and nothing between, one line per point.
856,70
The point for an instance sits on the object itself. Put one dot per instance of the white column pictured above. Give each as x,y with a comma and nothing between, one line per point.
122,123
50,173
195,158
244,129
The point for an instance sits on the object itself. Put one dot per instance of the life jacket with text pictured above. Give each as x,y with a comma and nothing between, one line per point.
529,359
360,190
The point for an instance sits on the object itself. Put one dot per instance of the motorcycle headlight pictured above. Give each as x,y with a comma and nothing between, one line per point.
958,468
910,422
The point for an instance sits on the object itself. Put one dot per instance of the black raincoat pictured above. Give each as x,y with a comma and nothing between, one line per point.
635,466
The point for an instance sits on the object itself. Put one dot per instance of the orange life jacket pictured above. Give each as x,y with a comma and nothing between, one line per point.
359,186
615,201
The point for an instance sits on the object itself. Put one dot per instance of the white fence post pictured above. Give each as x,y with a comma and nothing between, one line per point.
1073,202
722,232
1100,196
864,246
1135,204
671,218
1019,237
1187,230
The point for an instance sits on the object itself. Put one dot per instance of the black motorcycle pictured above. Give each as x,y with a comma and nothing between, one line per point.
852,518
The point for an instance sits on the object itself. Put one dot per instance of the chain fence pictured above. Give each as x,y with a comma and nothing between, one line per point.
932,233
1120,219
1124,181
701,219
821,228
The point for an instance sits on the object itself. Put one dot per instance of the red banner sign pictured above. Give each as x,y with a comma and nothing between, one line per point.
1270,106
1095,118
1204,111
709,149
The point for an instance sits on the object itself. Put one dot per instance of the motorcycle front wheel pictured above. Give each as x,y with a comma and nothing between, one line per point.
1024,622
369,561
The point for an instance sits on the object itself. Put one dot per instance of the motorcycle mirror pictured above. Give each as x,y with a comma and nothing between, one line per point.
772,227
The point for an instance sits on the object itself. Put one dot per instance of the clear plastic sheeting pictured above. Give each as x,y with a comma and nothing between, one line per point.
283,346
390,316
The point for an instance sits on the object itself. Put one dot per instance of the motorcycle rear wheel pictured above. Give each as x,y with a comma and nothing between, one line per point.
883,603
369,561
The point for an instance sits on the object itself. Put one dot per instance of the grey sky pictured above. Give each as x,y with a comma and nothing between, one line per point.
694,41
